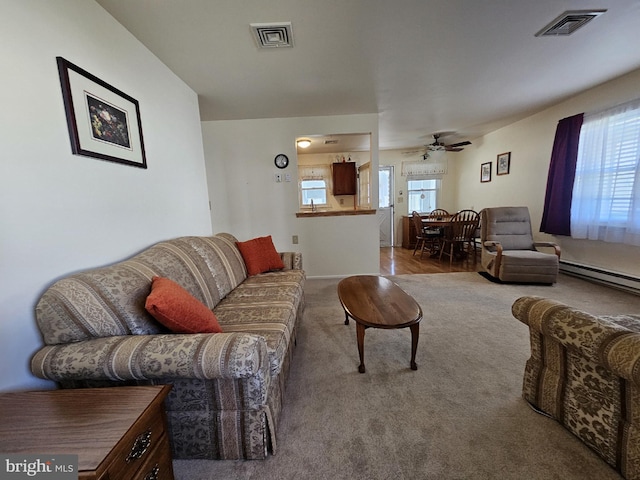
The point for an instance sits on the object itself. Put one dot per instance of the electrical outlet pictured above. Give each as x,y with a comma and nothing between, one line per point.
294,239
342,201
400,200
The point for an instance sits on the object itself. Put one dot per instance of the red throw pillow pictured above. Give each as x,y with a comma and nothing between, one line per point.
178,310
260,255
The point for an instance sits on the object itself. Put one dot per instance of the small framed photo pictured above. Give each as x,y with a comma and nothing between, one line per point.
503,163
485,172
103,122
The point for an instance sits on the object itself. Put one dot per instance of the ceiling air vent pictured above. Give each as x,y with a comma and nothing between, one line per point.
569,22
331,142
273,35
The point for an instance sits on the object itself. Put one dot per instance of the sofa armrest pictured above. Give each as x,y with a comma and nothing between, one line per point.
555,246
291,260
147,357
601,341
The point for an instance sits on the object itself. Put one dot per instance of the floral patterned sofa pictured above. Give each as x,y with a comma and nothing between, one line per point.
228,387
584,372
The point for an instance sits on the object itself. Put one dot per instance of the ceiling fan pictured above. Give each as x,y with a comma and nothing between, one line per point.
439,146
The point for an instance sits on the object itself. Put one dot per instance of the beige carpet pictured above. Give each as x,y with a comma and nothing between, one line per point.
459,416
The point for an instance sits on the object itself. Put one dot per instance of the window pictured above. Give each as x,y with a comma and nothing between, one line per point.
422,194
315,183
606,190
313,191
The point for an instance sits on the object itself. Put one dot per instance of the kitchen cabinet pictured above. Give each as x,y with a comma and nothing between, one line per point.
345,179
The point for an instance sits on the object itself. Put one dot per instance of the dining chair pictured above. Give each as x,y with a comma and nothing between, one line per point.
459,235
477,241
424,237
438,214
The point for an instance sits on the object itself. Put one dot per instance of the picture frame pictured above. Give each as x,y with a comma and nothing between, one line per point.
503,163
103,121
485,172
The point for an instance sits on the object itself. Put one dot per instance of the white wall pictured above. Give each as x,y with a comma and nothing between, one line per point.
60,212
239,156
530,142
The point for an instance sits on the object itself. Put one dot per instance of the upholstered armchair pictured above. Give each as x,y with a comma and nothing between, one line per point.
508,250
584,372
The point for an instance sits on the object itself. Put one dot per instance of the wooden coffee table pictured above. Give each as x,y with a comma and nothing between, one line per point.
377,302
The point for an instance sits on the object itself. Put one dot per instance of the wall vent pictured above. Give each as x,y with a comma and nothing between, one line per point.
273,35
569,22
331,142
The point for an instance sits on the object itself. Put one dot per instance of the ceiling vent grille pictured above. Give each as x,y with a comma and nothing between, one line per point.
273,35
569,22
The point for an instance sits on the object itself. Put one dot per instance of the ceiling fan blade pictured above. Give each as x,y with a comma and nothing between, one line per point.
453,149
460,144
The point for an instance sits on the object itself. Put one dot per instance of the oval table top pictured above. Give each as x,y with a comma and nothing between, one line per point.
377,302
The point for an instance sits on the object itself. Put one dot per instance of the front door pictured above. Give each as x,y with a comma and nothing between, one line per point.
385,205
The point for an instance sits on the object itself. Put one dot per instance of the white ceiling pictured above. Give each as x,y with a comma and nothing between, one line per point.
424,66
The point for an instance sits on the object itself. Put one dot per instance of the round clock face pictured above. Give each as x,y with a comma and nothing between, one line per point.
281,160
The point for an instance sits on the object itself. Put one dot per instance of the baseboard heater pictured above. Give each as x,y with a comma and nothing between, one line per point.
606,277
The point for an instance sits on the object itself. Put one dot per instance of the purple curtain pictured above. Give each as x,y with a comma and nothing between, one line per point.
556,217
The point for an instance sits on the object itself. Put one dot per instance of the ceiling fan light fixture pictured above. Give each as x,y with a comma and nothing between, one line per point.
303,143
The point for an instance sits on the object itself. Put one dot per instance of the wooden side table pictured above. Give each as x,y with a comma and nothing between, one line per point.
118,433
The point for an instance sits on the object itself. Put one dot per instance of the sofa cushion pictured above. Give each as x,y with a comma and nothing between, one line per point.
178,310
265,305
260,255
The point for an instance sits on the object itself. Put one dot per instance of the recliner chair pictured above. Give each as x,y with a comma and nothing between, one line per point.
508,250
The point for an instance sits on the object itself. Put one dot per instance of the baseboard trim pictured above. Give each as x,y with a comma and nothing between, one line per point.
609,278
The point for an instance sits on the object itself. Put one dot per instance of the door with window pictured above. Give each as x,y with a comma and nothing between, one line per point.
385,205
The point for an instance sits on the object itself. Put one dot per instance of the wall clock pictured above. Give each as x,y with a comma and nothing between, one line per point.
281,160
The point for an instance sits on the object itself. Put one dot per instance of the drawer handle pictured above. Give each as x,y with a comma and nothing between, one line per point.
140,446
153,474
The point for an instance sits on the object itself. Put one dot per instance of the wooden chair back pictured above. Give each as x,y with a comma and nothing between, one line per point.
417,223
438,213
464,225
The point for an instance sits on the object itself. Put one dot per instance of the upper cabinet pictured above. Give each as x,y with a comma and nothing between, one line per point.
345,181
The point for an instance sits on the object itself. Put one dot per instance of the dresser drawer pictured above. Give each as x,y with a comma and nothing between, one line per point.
138,444
158,466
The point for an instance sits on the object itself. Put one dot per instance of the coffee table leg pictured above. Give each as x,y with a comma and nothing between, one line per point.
415,333
360,334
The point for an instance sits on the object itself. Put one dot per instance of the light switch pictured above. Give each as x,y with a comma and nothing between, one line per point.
287,177
278,177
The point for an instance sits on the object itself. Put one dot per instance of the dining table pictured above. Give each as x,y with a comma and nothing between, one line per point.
443,223
436,222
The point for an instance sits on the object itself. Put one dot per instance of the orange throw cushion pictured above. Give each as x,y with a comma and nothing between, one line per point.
178,310
260,255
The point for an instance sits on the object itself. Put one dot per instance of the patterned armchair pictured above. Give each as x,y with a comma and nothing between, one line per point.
228,387
584,372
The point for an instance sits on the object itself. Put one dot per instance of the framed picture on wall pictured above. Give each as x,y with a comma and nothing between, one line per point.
503,163
485,172
103,122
